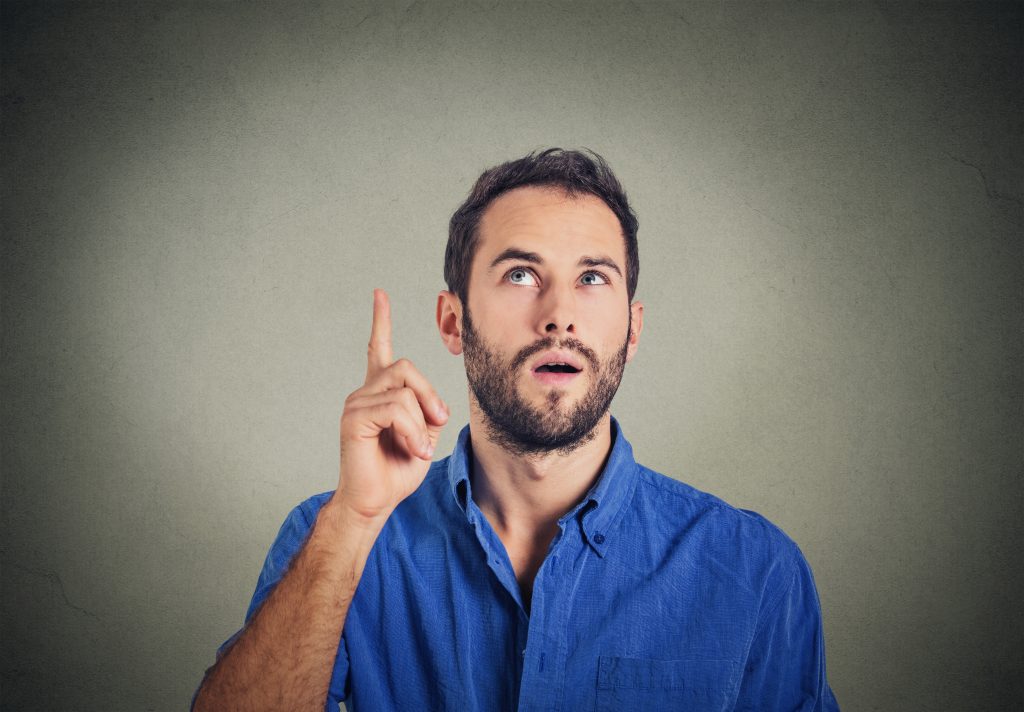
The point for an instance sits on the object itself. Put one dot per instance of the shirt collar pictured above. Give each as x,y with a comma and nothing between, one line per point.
598,511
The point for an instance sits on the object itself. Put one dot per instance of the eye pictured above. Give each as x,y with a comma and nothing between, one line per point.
520,275
587,277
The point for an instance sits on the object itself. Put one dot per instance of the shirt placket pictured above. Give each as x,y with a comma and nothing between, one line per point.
544,660
501,567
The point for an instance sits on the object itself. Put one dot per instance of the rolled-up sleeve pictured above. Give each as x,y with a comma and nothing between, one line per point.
290,538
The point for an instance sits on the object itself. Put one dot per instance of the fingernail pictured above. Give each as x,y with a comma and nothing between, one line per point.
430,450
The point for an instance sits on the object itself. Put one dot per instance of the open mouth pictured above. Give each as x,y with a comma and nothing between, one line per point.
557,368
556,374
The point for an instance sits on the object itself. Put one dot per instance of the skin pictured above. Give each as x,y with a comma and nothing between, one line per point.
523,496
391,424
389,427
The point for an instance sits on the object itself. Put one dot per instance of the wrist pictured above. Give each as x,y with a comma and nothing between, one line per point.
345,514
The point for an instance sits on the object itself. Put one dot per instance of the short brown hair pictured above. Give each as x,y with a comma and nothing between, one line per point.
575,172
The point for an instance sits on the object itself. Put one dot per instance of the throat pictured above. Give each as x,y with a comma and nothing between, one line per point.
526,563
526,555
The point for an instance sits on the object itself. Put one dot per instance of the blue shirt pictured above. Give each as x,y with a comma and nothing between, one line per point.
653,596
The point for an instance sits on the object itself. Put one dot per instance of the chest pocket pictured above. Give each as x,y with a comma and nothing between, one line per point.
633,684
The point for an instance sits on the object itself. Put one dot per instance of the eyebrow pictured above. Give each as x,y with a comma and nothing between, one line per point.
513,253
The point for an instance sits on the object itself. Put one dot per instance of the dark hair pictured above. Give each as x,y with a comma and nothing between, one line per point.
575,172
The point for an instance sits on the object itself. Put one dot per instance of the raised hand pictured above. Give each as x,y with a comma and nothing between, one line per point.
389,427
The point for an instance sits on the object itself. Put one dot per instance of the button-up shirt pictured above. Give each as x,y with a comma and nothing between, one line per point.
652,596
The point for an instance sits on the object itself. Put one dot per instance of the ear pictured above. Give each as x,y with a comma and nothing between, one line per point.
449,321
637,312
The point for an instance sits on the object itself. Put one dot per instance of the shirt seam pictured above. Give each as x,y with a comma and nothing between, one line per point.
767,612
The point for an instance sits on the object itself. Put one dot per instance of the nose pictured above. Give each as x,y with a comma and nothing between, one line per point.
557,312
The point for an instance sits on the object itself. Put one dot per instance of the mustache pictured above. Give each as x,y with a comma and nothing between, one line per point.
570,344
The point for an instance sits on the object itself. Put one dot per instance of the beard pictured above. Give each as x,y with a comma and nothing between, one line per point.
517,426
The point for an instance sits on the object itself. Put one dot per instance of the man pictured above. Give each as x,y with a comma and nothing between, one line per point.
538,566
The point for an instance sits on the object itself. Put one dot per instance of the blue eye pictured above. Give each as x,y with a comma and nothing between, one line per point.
594,274
520,276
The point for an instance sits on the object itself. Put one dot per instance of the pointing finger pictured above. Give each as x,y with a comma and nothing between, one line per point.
378,355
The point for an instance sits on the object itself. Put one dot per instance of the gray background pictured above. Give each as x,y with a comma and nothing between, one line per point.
198,199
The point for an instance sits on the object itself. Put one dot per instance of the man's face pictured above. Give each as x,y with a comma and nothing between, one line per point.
547,285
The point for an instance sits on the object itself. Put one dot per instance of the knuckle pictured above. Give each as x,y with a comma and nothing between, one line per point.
401,400
416,407
354,397
347,415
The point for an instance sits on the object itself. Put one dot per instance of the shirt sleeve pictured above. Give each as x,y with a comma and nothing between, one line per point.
289,541
785,668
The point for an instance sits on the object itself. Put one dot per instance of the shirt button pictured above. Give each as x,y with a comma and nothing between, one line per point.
599,538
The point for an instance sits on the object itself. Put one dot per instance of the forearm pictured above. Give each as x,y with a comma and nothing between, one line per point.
284,657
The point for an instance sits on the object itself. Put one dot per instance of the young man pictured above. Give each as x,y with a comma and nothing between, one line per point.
538,566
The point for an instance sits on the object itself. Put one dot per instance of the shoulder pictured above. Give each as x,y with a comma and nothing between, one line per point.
428,515
435,484
680,510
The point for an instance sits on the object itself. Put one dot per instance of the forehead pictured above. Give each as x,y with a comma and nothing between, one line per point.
545,220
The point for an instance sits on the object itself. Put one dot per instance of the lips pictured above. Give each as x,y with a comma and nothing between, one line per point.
556,362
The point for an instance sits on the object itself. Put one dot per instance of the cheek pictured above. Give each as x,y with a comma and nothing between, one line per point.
605,313
512,309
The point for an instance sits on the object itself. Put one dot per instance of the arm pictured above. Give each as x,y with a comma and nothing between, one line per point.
785,666
284,656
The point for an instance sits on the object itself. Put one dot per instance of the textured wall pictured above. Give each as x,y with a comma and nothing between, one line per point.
199,197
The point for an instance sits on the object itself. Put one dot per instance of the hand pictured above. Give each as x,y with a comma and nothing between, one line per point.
389,427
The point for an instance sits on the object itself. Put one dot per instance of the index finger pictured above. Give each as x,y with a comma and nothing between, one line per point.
378,354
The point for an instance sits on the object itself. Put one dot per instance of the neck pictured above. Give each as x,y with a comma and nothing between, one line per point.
524,496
